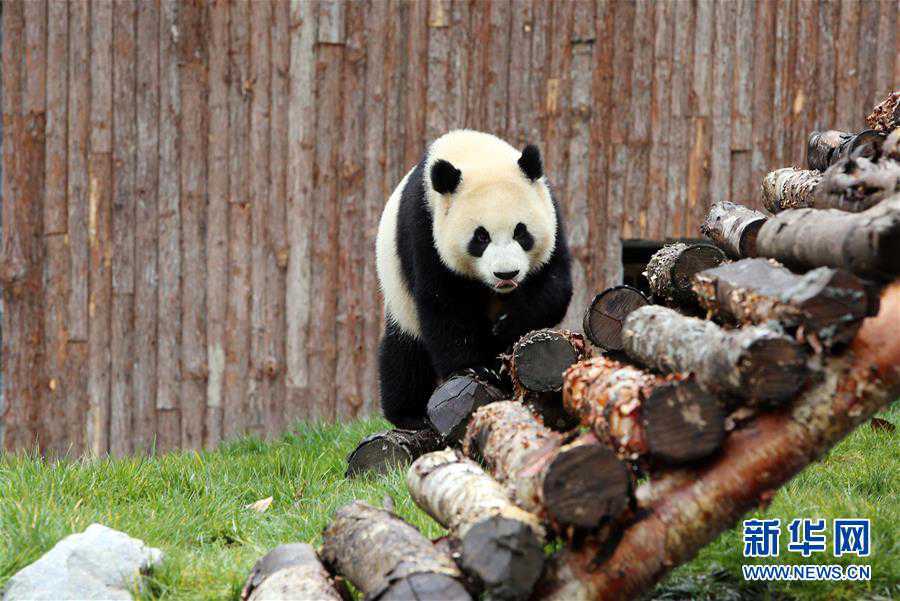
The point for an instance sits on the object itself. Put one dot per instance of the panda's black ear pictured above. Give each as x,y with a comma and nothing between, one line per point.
530,163
445,177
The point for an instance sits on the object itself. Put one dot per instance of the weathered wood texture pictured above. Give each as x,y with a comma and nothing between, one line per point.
238,154
291,571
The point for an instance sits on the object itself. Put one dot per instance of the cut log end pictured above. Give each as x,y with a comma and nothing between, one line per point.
586,485
383,452
775,368
505,555
455,400
683,422
540,358
425,586
607,312
671,269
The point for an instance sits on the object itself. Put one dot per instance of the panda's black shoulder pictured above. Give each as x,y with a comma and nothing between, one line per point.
414,223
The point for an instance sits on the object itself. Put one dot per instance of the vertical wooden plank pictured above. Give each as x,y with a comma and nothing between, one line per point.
826,60
885,81
804,81
742,102
376,186
540,57
603,271
352,254
100,230
763,64
698,192
56,248
722,85
664,31
216,219
168,372
301,144
522,125
679,123
437,109
634,223
781,82
460,83
235,412
417,76
145,227
576,208
259,83
123,221
322,339
395,72
331,21
22,249
869,55
557,101
497,67
276,213
193,73
848,116
55,210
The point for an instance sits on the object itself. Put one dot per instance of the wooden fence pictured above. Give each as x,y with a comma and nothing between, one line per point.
191,189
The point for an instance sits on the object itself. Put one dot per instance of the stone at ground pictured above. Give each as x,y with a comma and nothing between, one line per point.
99,563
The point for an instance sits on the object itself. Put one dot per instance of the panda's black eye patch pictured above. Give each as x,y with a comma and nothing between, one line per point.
523,237
480,240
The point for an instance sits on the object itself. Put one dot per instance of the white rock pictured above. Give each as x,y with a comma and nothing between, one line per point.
99,563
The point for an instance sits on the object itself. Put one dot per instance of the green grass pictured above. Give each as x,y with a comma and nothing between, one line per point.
192,505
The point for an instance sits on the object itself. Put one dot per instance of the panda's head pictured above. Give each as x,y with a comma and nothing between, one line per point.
494,219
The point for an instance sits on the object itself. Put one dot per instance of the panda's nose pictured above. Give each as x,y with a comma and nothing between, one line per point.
506,275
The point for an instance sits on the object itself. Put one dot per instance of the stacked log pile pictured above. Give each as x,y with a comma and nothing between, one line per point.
751,358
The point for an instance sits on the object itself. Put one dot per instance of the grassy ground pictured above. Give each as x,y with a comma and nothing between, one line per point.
192,505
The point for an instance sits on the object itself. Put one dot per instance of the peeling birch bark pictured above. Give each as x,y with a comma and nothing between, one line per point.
789,188
644,416
687,509
733,228
291,571
827,304
867,243
753,363
578,482
499,545
388,559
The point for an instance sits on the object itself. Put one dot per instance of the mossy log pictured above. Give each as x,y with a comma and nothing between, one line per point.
687,509
604,317
579,483
644,416
382,452
789,188
454,401
388,559
752,363
671,269
733,228
866,243
499,544
826,305
292,571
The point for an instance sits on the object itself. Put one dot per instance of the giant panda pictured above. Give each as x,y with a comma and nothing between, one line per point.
470,255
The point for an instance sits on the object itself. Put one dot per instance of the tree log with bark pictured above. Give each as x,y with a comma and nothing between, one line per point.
857,183
826,305
866,243
454,401
603,320
499,544
388,559
292,571
671,269
536,365
885,117
753,363
645,416
733,228
826,148
382,452
567,482
687,509
789,188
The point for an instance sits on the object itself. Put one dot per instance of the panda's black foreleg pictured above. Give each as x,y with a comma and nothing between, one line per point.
407,379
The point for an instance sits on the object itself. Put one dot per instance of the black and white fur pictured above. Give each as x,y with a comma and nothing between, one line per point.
471,255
